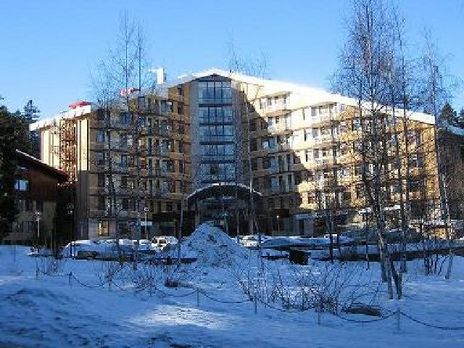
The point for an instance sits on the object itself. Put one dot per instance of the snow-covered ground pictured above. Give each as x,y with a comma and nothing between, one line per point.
97,304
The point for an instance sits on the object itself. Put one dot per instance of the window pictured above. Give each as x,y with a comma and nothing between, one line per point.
100,136
100,114
254,164
123,182
28,206
266,163
356,124
297,178
253,145
252,125
22,185
308,155
214,92
269,143
315,133
124,118
123,163
101,203
306,134
39,206
415,185
214,169
100,158
101,180
123,141
125,203
103,228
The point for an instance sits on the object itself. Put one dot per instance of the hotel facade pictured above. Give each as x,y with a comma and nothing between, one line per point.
244,152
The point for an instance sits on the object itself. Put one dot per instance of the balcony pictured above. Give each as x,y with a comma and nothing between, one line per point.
278,148
323,119
278,128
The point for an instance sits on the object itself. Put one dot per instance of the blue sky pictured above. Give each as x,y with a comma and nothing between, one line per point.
49,48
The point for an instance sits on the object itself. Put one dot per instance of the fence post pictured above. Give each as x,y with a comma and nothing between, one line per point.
198,297
398,317
255,299
69,278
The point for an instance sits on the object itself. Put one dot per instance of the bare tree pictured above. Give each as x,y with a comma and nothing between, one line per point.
364,71
433,96
120,84
247,96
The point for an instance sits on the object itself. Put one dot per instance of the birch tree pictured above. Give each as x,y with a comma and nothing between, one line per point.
365,68
121,82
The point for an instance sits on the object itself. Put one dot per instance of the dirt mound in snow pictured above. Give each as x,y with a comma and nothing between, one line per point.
213,247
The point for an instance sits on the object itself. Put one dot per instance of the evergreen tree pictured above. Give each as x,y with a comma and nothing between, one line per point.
30,115
460,119
14,134
447,116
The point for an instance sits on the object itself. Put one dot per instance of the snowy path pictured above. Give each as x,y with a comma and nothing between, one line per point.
47,312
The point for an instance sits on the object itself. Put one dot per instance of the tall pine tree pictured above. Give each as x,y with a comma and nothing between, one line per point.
14,134
30,115
448,116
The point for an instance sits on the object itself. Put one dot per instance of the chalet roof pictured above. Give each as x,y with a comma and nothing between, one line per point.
24,157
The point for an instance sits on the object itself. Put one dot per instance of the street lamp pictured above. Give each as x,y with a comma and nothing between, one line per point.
278,225
70,211
145,211
38,215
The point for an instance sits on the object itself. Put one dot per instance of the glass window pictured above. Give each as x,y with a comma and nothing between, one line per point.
101,203
123,162
101,180
124,118
22,185
125,203
100,136
100,158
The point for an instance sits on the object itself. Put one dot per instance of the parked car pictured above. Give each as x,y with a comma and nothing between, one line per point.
251,240
343,240
163,242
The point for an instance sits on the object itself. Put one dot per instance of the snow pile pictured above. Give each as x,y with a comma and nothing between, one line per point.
213,247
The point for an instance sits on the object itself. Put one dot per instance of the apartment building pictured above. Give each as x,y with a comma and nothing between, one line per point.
241,151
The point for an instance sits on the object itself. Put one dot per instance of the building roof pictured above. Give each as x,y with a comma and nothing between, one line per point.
25,157
71,113
308,95
311,95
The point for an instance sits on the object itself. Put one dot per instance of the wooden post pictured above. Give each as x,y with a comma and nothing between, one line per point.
255,299
398,317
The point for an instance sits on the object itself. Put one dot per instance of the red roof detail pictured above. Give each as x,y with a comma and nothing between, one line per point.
79,103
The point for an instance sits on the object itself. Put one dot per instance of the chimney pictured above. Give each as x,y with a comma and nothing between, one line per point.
160,75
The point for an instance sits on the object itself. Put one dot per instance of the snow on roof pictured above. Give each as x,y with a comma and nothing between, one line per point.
71,113
455,130
310,95
41,163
